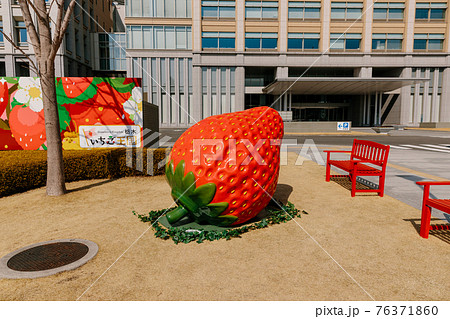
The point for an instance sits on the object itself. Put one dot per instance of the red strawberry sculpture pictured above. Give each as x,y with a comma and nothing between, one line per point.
224,169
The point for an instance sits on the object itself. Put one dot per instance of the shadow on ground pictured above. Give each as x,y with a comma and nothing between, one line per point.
85,187
283,192
443,235
345,182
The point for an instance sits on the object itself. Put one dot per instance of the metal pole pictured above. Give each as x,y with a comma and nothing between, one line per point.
363,122
375,118
380,104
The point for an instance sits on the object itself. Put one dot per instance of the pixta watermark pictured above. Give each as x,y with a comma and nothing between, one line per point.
210,150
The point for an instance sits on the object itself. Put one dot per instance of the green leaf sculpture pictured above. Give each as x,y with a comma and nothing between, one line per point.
194,201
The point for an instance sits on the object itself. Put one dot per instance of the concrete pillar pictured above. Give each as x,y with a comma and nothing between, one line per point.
367,30
325,26
283,25
196,107
405,99
417,110
240,88
364,72
10,65
282,72
444,114
425,106
240,27
434,97
409,18
196,25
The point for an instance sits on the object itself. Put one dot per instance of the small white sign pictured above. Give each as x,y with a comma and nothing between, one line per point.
343,126
94,136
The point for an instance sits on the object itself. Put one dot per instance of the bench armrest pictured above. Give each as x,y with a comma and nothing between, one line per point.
433,183
426,188
327,151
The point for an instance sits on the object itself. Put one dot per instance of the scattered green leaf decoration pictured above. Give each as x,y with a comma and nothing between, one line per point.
87,94
4,125
185,235
195,201
119,86
12,80
15,103
64,117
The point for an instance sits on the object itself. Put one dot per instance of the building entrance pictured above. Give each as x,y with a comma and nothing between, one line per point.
312,114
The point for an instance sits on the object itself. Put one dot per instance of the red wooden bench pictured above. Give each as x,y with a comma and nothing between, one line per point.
363,152
427,204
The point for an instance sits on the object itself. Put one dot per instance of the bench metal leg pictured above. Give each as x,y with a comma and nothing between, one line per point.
381,186
327,178
353,179
425,222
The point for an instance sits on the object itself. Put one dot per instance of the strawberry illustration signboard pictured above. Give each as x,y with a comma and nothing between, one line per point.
93,112
224,169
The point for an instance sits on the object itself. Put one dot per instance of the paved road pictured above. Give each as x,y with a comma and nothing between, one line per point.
415,155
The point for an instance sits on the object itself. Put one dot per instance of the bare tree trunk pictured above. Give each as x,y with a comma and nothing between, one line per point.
45,48
55,165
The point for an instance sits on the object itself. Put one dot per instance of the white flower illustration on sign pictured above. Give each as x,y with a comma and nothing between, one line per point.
134,106
30,94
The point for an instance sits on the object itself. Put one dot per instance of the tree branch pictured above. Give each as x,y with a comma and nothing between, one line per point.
58,19
60,30
42,18
31,29
8,38
51,5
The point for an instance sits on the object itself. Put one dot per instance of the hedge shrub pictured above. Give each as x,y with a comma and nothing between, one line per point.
24,170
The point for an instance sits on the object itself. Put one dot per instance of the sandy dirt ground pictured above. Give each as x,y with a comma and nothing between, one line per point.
344,249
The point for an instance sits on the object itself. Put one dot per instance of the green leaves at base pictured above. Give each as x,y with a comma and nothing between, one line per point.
195,200
181,235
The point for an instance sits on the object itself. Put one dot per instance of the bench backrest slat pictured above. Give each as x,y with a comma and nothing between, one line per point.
369,151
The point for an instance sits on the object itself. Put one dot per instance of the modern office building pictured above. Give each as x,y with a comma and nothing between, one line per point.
370,62
75,56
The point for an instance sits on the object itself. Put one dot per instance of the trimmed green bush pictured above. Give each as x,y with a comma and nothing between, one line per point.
24,170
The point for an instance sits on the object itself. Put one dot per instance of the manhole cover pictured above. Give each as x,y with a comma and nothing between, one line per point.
47,258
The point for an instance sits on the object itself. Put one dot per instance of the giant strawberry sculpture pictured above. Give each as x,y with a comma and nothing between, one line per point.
224,169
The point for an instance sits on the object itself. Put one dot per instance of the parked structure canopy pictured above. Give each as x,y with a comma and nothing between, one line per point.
338,85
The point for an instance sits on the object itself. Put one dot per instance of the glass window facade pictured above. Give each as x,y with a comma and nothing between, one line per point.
218,40
303,41
21,33
426,11
428,42
261,9
1,33
218,9
261,41
386,11
304,10
387,41
112,51
159,8
346,10
159,37
345,41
